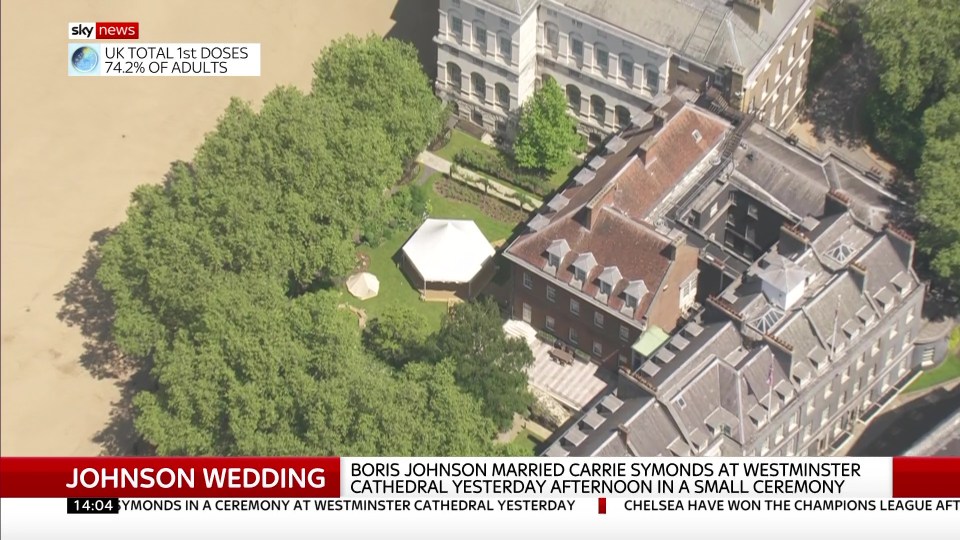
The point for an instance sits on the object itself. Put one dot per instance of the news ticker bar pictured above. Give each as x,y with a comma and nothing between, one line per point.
473,478
163,59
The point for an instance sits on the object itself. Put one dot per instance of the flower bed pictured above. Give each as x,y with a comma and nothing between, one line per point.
490,206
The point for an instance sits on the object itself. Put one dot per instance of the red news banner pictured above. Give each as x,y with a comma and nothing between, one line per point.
245,477
297,477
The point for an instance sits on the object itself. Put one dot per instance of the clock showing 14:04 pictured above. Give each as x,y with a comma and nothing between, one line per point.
93,506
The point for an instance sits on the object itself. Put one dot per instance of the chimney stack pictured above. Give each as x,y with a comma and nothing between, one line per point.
859,275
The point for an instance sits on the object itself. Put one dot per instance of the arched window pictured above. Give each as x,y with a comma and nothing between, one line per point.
503,96
623,116
479,85
551,38
576,48
598,109
651,78
626,69
573,98
454,76
480,36
601,57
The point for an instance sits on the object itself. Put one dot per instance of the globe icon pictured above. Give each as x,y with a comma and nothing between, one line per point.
84,59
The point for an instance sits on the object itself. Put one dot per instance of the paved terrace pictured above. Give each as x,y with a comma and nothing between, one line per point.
574,385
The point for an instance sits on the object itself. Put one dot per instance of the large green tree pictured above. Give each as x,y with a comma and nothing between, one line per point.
917,45
217,277
547,134
381,79
489,365
397,335
939,177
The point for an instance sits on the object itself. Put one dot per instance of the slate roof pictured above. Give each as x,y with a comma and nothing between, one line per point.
729,375
706,31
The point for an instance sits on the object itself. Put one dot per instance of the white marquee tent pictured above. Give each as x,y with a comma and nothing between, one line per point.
448,251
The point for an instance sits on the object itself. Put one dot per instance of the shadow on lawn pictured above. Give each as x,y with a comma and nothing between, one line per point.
87,306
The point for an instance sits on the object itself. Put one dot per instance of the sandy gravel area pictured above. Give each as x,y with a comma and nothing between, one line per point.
74,148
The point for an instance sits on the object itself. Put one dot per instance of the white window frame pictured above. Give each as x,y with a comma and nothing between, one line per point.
527,280
575,307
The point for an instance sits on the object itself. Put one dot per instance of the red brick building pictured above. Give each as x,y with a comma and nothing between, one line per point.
593,269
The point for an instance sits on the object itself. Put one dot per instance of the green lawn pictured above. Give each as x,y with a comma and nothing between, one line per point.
950,369
395,289
525,442
460,140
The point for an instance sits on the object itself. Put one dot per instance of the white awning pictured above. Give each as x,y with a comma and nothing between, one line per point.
448,250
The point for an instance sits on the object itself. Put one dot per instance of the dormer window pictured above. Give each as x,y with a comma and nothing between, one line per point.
697,137
583,265
553,260
631,301
608,279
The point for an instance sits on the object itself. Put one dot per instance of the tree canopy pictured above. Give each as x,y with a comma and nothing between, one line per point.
547,134
221,276
939,177
917,45
915,113
489,365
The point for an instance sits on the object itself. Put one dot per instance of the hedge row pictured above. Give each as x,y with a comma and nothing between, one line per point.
495,164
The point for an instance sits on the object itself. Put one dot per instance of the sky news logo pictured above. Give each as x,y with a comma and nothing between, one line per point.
103,30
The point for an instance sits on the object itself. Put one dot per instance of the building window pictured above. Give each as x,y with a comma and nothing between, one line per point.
552,36
626,69
875,349
574,307
893,332
602,59
506,48
909,316
597,348
630,301
576,49
577,23
750,233
752,210
624,332
623,116
454,76
504,23
503,96
549,323
480,13
479,86
573,98
623,359
574,338
527,313
651,82
527,280
480,36
456,26
598,108
598,319
551,294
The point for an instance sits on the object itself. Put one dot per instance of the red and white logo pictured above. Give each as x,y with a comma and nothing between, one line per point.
103,30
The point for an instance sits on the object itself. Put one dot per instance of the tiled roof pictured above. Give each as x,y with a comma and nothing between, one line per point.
635,249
